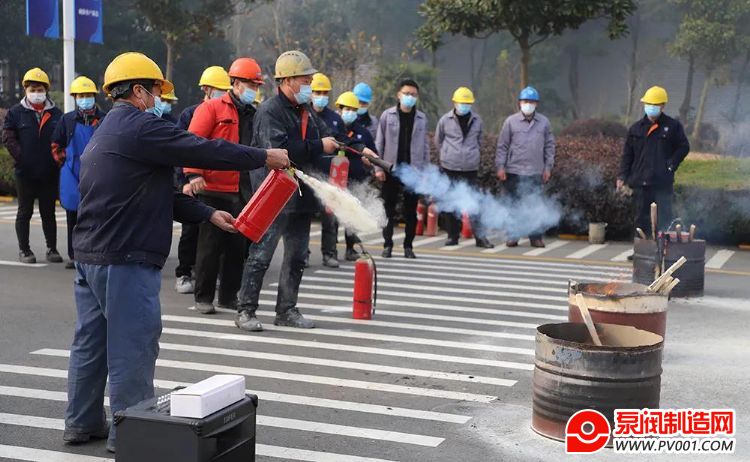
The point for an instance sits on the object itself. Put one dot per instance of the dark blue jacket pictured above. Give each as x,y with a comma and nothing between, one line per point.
186,116
358,137
127,199
653,152
66,127
334,122
28,136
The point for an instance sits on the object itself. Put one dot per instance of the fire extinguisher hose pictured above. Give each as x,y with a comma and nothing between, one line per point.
385,165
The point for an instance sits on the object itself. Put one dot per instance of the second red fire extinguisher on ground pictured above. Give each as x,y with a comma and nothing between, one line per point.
365,287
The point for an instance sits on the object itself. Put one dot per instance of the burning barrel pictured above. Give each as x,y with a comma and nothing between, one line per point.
691,274
623,303
571,373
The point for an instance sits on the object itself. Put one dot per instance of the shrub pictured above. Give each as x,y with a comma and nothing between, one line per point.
7,174
595,127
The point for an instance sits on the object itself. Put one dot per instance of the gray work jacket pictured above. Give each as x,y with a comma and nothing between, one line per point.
387,138
525,147
458,152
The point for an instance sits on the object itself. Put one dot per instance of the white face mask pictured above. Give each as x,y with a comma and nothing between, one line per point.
528,108
36,98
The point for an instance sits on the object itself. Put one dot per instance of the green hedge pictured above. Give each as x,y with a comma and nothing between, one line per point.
7,175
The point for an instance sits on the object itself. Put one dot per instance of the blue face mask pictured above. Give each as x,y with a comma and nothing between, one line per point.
652,110
348,116
362,111
86,103
304,95
320,101
248,96
463,108
215,94
156,110
166,108
408,101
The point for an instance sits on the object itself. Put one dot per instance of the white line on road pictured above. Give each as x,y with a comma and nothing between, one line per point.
429,240
491,262
448,275
359,335
318,379
380,240
548,248
17,263
719,258
278,397
586,251
460,245
622,256
43,455
503,247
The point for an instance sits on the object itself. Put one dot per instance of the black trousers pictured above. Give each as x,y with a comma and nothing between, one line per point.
454,221
186,250
393,192
329,236
519,185
71,217
45,191
643,197
212,244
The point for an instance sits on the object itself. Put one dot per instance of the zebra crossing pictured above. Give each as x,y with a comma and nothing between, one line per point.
452,335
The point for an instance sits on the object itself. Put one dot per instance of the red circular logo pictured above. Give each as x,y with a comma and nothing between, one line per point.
587,432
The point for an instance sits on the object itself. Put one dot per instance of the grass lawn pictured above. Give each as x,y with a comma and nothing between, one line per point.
722,173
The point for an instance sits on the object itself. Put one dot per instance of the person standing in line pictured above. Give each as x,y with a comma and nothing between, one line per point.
363,92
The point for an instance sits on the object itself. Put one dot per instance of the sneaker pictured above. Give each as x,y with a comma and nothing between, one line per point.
409,253
26,256
110,446
537,243
387,252
70,264
451,242
511,243
247,321
205,308
484,243
184,285
77,437
330,261
352,255
53,256
293,318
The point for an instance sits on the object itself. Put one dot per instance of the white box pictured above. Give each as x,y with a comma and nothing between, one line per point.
207,396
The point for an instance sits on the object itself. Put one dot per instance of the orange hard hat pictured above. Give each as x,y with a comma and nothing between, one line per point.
246,69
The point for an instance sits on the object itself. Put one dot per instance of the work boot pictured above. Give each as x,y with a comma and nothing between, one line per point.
352,255
630,257
484,243
330,261
409,253
451,241
387,252
537,243
77,437
70,264
26,256
511,243
184,285
247,321
205,308
293,318
53,256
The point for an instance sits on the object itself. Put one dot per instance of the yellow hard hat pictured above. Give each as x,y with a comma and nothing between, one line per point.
655,95
258,96
82,85
348,99
134,66
320,82
463,95
169,96
293,63
215,77
35,75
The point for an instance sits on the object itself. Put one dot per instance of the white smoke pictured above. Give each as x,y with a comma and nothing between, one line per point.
362,215
531,213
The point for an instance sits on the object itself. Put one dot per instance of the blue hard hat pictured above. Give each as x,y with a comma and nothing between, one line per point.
363,92
529,93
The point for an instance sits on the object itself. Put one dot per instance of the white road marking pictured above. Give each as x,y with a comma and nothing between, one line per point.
17,263
461,245
43,455
429,240
502,247
622,256
719,258
548,248
491,262
449,276
380,240
586,251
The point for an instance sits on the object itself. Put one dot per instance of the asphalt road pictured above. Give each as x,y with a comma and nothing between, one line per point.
443,373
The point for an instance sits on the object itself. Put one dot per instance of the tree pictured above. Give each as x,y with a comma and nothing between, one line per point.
709,36
530,22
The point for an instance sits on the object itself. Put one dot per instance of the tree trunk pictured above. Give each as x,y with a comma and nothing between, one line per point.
685,106
523,43
472,46
738,90
701,107
573,79
635,30
170,57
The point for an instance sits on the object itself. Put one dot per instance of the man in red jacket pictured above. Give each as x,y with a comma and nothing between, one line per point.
230,118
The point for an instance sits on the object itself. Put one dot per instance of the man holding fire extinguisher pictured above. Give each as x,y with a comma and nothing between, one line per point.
286,120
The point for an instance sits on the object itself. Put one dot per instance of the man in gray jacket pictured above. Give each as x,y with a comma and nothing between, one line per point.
525,154
402,139
457,136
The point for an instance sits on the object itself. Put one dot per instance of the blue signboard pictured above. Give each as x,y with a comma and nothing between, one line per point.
43,18
89,21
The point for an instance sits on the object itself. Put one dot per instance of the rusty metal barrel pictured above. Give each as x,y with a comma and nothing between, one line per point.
691,275
624,303
571,373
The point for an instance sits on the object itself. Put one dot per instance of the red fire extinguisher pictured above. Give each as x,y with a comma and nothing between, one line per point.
365,287
432,220
338,174
421,209
266,204
466,230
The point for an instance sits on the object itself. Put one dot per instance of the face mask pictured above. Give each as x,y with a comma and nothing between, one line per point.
320,101
166,108
156,109
362,111
463,109
528,108
216,94
304,95
408,101
36,98
348,116
652,110
248,96
86,103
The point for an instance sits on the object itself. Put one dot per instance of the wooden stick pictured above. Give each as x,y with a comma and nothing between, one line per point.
654,217
692,233
587,319
668,273
641,234
663,282
666,290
